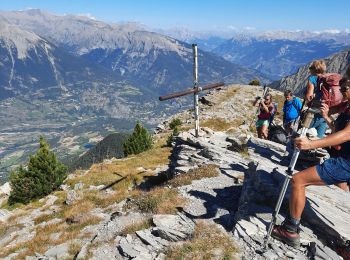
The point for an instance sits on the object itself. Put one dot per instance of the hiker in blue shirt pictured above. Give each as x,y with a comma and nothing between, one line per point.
291,110
314,95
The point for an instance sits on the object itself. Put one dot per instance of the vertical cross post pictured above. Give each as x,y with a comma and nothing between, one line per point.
195,87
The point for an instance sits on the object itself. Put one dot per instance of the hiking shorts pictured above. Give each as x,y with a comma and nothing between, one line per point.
334,170
262,122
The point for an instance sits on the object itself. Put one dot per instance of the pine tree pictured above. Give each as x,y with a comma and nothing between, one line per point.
139,141
254,82
43,174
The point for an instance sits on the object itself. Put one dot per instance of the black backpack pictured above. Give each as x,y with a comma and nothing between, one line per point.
277,134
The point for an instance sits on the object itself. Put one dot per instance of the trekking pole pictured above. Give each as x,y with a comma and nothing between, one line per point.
265,90
306,124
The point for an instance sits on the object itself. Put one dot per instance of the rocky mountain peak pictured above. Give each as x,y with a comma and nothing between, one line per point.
17,39
85,34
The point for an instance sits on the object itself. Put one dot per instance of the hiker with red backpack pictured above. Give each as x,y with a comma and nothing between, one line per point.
267,111
332,171
313,95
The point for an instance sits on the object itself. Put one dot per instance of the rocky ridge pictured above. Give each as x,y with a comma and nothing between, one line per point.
239,200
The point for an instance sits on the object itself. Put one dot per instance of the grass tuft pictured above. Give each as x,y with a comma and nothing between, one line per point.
158,201
207,238
216,124
206,171
140,225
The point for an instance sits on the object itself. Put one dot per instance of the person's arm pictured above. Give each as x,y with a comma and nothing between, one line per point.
266,108
337,138
325,114
310,91
256,101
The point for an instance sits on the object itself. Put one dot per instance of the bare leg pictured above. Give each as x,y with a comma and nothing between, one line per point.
258,129
343,186
264,131
300,181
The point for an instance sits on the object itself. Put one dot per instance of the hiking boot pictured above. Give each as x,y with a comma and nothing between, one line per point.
344,251
289,237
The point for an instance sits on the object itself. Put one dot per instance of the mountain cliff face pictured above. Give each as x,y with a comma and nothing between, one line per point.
297,82
31,63
276,57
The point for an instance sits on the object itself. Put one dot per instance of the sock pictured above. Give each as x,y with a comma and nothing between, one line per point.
294,221
291,224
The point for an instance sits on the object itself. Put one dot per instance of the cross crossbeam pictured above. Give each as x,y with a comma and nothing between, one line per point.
195,90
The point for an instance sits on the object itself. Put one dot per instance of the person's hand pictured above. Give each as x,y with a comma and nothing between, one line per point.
302,143
324,110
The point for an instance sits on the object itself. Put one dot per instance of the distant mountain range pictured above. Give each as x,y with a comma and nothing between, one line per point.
144,59
273,53
297,82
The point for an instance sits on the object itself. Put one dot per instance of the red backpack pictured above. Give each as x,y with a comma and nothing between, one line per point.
329,85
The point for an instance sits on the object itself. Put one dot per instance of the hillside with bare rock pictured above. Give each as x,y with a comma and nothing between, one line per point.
204,197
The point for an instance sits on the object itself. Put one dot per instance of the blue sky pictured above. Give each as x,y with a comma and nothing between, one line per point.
205,14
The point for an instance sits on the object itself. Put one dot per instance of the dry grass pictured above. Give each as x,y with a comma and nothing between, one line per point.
104,200
205,171
42,241
5,251
158,201
206,239
86,220
3,229
140,225
45,218
39,243
216,124
234,124
79,207
61,197
229,93
74,249
114,174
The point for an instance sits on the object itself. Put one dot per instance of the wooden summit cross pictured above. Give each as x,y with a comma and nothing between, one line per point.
196,89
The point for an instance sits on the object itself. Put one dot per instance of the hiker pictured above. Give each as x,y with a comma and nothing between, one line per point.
291,110
313,95
267,110
332,171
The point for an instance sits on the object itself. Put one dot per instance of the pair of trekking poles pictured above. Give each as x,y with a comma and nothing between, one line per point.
305,126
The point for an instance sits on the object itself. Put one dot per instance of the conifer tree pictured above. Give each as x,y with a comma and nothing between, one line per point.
139,141
254,82
43,174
